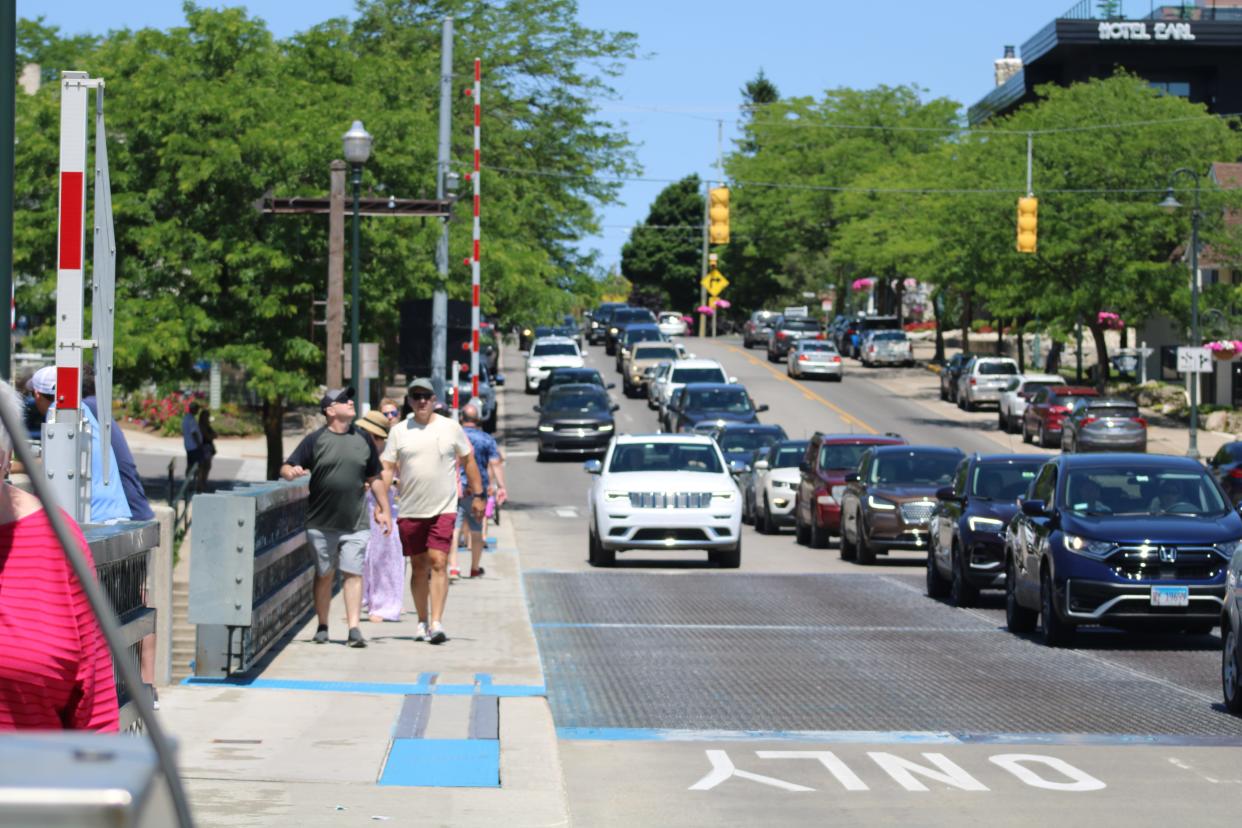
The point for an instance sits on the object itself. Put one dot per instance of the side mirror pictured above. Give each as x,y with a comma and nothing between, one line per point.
761,408
946,493
761,465
593,467
538,409
733,380
615,407
610,386
851,477
738,467
1034,508
499,380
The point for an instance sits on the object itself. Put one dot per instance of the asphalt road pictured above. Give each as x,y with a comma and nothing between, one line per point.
802,687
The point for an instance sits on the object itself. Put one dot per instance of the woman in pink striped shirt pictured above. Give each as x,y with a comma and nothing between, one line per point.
55,669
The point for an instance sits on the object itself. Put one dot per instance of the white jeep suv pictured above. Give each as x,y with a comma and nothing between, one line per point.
667,492
547,353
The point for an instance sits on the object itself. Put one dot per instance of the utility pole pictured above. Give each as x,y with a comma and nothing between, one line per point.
334,323
8,84
703,270
720,180
439,299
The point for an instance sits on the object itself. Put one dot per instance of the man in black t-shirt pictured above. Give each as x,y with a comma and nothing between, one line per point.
342,462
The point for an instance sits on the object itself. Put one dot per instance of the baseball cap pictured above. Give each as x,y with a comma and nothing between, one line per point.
43,381
421,384
335,395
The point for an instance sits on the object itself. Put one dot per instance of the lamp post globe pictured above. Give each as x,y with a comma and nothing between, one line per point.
357,143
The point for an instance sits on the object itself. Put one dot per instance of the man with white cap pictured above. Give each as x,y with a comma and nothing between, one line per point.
108,501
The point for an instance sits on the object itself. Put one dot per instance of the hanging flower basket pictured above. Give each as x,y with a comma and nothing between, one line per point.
1110,321
1224,349
723,303
704,309
862,284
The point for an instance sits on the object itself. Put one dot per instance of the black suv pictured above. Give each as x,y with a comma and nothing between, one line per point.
950,373
786,330
968,525
703,401
600,320
621,319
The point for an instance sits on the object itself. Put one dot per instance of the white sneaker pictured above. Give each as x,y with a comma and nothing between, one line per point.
437,634
420,632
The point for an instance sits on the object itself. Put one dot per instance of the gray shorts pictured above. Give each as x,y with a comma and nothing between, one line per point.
465,518
338,550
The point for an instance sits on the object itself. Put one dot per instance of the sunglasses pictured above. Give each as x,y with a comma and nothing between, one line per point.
392,415
422,397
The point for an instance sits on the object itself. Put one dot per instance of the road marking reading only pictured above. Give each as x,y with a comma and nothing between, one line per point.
810,395
906,772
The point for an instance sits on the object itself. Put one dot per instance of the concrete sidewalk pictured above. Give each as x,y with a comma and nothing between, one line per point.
309,741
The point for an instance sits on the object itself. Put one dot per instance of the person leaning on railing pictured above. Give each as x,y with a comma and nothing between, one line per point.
55,668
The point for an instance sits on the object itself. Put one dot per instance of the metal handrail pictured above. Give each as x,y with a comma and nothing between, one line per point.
180,500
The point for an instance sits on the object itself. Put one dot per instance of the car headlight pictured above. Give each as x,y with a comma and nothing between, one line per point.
984,524
1228,549
880,503
526,332
546,428
614,497
606,427
722,495
1099,550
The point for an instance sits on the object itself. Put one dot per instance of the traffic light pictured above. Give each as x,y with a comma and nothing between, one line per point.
718,210
1028,220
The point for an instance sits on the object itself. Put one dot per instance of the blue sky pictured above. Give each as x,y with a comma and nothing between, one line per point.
698,54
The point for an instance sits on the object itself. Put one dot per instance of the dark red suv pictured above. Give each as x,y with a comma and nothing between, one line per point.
829,457
1047,409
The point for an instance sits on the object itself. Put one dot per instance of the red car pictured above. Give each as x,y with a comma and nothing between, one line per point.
1045,412
829,457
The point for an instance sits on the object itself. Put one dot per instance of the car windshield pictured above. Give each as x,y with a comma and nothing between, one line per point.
1029,388
1113,411
632,315
555,349
800,324
577,402
911,468
566,377
1145,490
644,335
788,456
815,345
698,375
732,400
889,336
997,368
748,442
656,352
1003,481
665,457
840,456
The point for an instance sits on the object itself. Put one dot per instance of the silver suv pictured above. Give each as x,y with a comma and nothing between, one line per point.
983,380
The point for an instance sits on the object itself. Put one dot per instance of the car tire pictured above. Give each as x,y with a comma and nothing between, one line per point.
802,532
1001,423
961,591
937,586
967,405
846,550
489,425
1053,630
764,519
541,456
772,357
865,553
727,558
1231,670
944,395
1026,433
1018,619
597,555
1041,438
820,536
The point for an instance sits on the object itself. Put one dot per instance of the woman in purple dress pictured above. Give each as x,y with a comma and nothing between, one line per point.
383,574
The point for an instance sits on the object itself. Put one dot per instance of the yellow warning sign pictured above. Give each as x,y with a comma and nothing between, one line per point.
714,282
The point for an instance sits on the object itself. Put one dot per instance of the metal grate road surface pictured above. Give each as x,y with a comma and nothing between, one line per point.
828,652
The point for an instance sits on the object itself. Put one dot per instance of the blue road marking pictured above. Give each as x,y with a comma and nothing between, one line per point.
426,685
443,763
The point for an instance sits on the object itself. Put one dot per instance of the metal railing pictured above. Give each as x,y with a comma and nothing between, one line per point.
179,498
122,554
251,572
1149,10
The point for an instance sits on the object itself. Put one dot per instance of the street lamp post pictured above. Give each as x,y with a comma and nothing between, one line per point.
357,151
1171,203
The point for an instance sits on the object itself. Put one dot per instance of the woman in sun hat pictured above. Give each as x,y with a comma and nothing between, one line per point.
383,574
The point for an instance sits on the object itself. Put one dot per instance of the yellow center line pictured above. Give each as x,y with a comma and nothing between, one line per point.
810,395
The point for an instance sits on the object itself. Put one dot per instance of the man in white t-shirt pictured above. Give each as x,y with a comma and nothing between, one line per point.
423,451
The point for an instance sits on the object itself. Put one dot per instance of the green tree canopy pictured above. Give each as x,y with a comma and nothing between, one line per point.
664,254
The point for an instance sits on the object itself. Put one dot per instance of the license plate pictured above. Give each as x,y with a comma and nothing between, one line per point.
1170,596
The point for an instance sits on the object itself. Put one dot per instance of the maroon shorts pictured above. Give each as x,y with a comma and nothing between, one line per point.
420,534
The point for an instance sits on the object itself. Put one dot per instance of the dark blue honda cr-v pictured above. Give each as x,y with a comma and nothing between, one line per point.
1124,540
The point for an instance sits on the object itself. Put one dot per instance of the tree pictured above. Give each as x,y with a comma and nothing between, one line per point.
206,118
664,253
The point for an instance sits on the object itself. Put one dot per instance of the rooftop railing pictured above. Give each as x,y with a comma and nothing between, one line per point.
1149,10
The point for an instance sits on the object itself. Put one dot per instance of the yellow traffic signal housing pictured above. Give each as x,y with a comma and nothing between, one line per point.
718,210
1028,221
